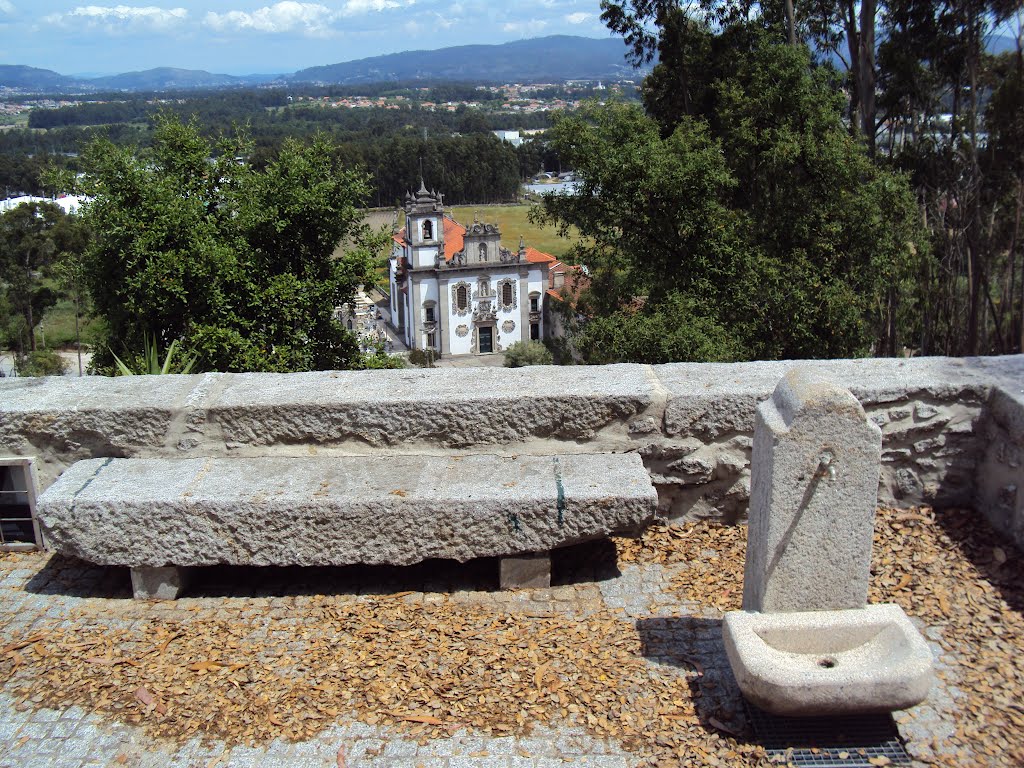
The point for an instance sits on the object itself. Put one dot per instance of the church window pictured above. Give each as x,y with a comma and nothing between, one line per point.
535,331
461,297
431,343
506,294
428,230
534,302
428,313
483,251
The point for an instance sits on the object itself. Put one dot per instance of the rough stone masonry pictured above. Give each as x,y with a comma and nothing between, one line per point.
950,427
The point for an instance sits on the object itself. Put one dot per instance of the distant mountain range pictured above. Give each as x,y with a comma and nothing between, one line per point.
547,59
556,58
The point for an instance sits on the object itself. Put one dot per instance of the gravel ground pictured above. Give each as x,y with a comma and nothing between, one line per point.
619,664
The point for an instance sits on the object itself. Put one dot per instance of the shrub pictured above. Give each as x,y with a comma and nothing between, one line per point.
527,353
43,362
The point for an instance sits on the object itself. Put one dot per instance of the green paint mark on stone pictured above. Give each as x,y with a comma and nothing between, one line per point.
561,493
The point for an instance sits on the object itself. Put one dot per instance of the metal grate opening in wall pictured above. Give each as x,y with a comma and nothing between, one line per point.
849,741
18,490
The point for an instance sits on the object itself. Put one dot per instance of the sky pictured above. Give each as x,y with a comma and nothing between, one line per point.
257,36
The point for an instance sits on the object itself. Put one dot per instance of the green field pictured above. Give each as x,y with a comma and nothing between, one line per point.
57,331
511,220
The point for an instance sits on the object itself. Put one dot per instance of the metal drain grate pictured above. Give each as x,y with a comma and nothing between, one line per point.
829,742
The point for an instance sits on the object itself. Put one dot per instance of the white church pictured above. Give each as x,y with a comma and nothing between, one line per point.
456,290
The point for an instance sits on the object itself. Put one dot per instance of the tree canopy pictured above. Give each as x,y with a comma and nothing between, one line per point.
192,244
924,93
737,218
33,237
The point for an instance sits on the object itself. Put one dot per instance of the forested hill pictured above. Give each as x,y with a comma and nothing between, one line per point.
545,59
163,78
33,78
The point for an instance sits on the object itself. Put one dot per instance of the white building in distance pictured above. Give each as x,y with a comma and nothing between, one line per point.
456,290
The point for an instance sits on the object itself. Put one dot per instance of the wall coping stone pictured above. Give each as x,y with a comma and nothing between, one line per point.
691,422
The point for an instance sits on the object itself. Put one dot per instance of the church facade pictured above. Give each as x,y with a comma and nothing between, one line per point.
456,290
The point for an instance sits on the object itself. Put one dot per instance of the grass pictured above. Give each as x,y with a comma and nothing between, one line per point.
58,326
511,220
19,120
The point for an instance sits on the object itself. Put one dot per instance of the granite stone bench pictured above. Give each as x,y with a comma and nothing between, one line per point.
161,516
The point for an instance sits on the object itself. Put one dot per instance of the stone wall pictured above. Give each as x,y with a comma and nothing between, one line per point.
953,429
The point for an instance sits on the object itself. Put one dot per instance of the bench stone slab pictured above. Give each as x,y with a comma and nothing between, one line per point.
339,510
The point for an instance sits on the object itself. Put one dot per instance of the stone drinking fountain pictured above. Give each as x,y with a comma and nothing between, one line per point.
806,643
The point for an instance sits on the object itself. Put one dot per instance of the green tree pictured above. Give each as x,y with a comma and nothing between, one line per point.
32,237
192,244
745,210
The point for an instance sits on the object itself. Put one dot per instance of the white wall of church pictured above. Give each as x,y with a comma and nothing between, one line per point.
536,283
395,295
458,345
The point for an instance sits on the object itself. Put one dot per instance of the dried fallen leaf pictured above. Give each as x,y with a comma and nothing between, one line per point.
538,675
341,762
416,718
18,645
149,700
717,724
164,645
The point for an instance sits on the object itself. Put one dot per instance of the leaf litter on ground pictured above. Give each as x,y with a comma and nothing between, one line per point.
430,669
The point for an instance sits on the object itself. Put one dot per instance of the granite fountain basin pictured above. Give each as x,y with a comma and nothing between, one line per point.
810,663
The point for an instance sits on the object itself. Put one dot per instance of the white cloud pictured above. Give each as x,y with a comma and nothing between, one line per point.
287,16
312,19
6,6
531,27
120,17
577,18
360,7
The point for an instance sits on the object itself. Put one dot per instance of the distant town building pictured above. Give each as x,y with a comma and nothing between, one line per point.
456,290
512,137
69,203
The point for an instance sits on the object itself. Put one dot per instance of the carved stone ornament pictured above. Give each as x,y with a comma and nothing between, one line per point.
501,294
485,313
508,326
462,331
461,311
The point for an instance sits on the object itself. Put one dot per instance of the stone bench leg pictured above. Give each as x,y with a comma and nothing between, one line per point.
154,583
526,571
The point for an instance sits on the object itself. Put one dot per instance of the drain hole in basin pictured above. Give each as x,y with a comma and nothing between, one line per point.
826,663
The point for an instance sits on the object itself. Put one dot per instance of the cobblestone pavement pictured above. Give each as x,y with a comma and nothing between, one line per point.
39,592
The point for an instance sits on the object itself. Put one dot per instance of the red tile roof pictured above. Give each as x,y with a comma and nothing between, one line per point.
453,234
539,257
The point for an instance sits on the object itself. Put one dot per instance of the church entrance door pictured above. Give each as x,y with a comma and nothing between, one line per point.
486,339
